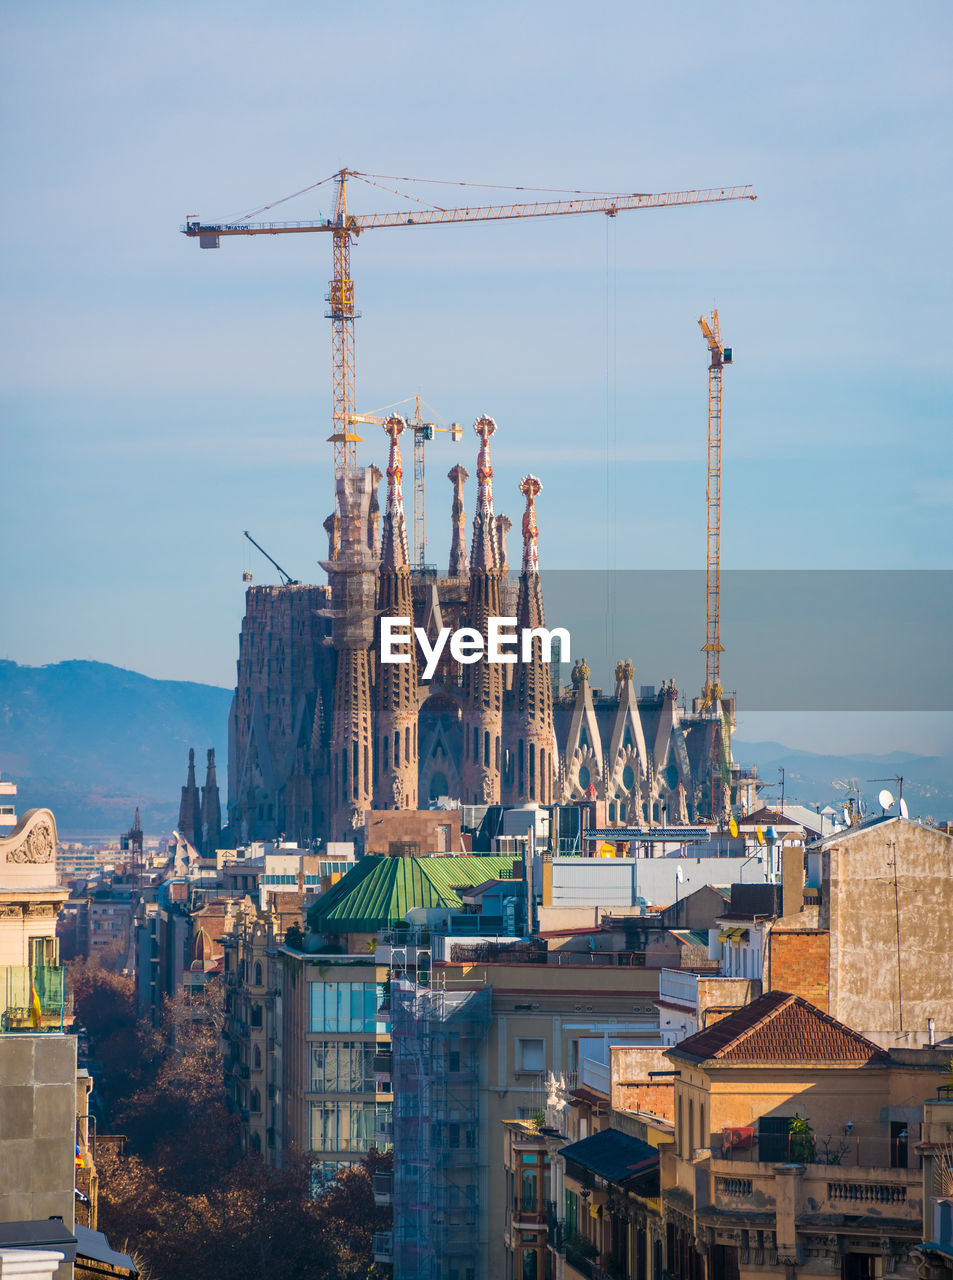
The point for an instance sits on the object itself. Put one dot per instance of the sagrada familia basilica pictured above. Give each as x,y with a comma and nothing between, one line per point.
321,730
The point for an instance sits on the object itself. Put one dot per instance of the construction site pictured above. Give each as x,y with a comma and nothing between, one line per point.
322,731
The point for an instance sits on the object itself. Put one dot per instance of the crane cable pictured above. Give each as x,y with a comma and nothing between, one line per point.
496,186
284,200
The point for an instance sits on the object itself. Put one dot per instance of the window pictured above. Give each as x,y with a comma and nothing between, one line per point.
345,1006
531,1055
572,1213
342,1066
258,974
529,1185
346,1126
899,1137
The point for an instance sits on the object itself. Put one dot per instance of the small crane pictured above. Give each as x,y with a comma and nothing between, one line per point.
286,579
423,431
344,227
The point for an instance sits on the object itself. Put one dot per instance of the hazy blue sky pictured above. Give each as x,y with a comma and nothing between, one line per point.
156,399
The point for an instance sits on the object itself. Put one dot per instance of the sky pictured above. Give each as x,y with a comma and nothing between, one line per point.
157,399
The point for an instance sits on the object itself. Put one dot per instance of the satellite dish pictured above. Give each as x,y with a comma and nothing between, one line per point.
760,834
885,799
904,811
733,828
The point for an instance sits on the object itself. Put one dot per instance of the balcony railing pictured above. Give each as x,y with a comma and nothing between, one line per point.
675,985
32,998
382,1184
829,1190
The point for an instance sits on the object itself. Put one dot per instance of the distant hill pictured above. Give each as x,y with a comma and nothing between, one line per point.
815,778
91,741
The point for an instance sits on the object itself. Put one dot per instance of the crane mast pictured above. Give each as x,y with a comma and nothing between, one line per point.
713,648
344,226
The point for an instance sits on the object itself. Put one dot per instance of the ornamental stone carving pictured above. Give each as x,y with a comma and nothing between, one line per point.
38,845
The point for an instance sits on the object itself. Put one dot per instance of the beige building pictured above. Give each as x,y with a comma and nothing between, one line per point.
795,1148
307,1046
32,991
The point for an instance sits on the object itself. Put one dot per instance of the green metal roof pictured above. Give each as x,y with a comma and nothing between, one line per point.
380,891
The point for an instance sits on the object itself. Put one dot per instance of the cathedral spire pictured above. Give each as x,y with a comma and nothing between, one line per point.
530,765
395,554
459,561
485,552
190,808
529,488
211,808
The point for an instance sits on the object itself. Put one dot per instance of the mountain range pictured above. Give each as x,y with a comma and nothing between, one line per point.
91,742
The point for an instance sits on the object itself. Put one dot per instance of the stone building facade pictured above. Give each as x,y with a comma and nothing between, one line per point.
321,730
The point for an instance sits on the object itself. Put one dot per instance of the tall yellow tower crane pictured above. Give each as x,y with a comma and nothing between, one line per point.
713,648
344,227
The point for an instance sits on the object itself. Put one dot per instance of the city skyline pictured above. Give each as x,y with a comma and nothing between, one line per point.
161,400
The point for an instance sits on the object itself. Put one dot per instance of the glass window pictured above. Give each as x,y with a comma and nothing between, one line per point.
346,1126
345,1006
529,1189
342,1066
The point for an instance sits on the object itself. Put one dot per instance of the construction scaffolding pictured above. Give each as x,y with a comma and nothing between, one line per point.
440,1157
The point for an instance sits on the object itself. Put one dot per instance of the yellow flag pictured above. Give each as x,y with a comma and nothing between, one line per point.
36,1013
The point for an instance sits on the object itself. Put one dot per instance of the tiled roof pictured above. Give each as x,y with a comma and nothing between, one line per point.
379,891
778,1027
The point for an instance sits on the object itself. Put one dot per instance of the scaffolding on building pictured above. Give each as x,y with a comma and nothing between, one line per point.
440,1157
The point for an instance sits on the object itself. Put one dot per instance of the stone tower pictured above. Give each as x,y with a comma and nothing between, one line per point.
529,763
395,785
190,808
459,563
211,809
483,681
353,580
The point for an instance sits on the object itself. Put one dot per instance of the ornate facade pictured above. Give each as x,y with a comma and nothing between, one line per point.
321,730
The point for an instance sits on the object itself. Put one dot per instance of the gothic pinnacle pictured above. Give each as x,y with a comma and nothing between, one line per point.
484,554
395,552
529,488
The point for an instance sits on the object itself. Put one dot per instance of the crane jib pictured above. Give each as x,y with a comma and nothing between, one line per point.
484,213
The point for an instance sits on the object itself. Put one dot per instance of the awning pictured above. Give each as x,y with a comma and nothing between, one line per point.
733,935
93,1244
613,1155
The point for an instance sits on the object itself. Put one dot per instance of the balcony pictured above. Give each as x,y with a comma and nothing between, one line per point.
382,1184
32,998
383,1246
824,1193
677,986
